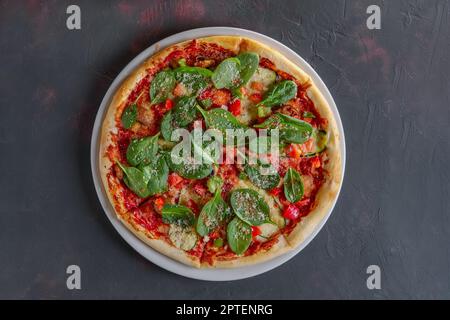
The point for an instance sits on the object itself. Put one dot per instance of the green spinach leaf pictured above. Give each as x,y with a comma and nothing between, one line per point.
129,116
291,129
184,111
193,79
187,167
280,93
220,119
214,212
293,186
177,214
161,86
156,173
202,71
135,180
239,235
142,150
249,62
168,126
250,206
227,74
263,176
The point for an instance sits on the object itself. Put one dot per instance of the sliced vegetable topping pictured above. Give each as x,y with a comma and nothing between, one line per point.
183,237
320,142
291,212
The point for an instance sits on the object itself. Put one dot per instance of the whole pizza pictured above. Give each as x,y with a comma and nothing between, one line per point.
217,213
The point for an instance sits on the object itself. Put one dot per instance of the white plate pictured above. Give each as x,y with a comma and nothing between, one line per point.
146,251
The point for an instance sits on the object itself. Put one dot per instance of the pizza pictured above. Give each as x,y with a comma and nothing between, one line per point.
220,213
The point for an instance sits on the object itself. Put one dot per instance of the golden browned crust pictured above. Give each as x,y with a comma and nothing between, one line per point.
324,199
160,245
281,247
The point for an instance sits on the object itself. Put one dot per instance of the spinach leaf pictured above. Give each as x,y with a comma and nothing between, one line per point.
263,176
184,111
142,150
186,69
162,85
239,235
227,74
187,167
168,126
156,173
177,214
129,116
249,62
279,94
293,186
213,213
220,119
291,129
250,206
234,72
135,180
294,130
194,79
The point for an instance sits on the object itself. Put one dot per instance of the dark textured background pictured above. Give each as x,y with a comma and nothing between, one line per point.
392,90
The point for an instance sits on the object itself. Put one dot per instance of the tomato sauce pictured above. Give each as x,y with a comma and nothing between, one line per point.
148,218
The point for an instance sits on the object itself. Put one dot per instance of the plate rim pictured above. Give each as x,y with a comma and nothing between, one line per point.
209,274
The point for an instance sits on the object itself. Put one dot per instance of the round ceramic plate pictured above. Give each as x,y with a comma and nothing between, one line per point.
146,251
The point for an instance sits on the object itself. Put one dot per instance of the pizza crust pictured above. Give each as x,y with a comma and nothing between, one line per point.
159,245
325,197
281,247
